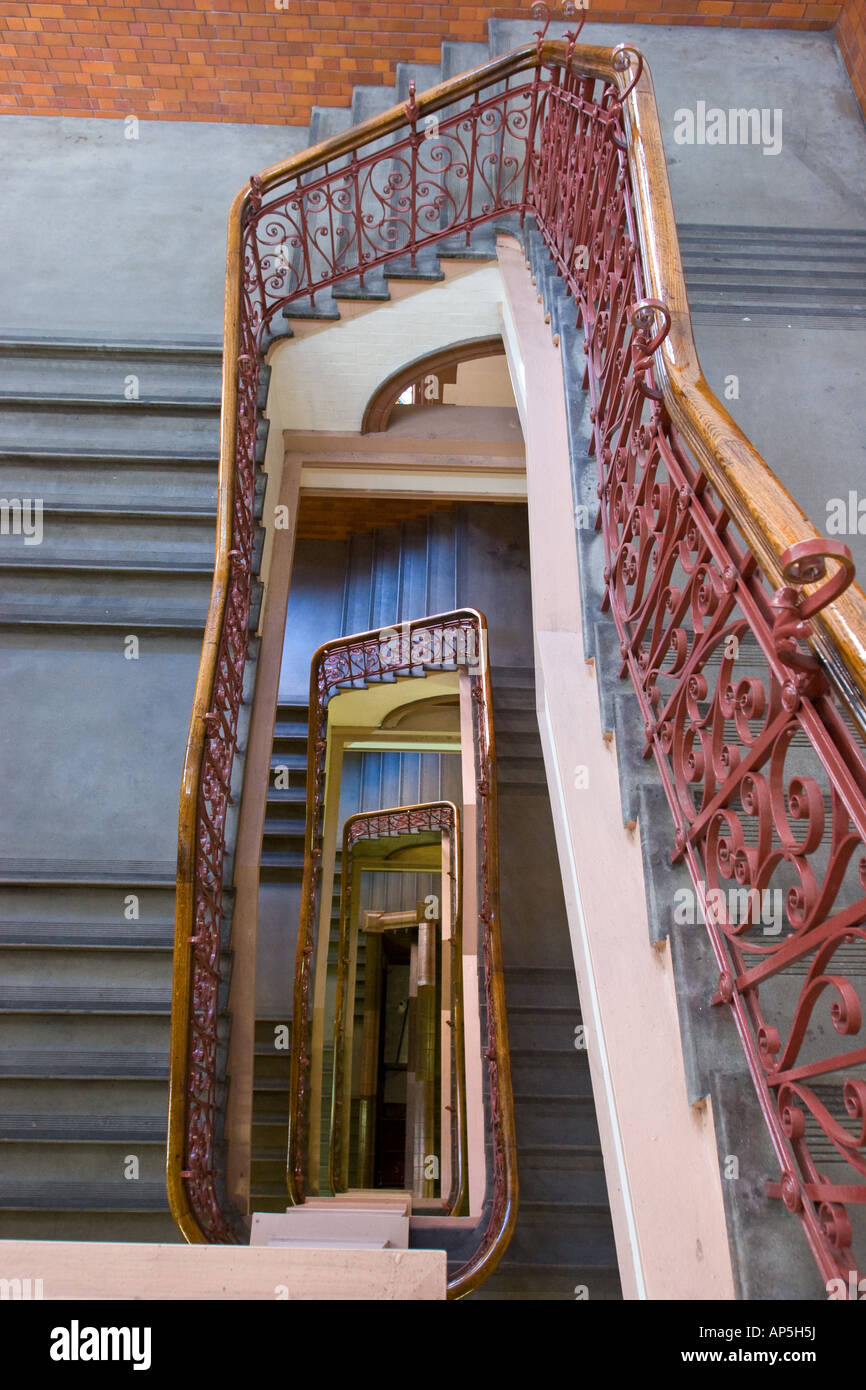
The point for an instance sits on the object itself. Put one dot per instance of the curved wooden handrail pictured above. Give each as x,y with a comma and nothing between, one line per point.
371,825
766,514
760,506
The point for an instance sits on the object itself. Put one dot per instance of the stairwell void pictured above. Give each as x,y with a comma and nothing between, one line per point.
378,576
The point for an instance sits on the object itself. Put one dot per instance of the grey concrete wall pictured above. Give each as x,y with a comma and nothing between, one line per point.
91,749
103,235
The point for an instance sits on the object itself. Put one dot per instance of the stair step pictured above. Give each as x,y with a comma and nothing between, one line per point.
520,771
293,762
426,268
281,859
509,720
540,987
96,612
269,1083
114,1129
109,426
59,1195
83,405
88,999
550,1120
60,967
99,459
549,1071
286,816
550,1282
424,75
150,1227
561,1173
127,1065
373,288
96,565
284,828
562,1232
502,676
551,1026
291,729
322,307
156,936
97,616
65,873
269,1154
100,368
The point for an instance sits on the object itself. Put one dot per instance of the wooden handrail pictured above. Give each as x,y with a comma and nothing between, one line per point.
759,505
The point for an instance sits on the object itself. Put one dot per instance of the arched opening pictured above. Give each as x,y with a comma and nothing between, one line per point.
468,373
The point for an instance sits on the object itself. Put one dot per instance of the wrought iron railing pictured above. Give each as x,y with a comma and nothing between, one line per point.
765,776
703,546
443,819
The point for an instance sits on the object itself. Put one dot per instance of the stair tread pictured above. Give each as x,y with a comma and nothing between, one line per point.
557,1149
551,1267
556,1098
141,873
88,998
49,1064
131,564
77,935
154,458
117,1128
53,1193
544,1008
563,1210
36,616
142,404
28,345
59,507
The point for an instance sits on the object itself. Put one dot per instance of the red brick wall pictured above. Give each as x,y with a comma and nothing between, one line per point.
269,61
851,38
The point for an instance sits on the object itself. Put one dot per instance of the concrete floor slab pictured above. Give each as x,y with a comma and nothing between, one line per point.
819,176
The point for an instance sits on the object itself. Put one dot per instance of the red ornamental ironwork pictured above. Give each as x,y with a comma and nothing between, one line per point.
405,820
765,775
761,763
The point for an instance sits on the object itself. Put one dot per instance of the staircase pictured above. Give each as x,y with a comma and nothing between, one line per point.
101,624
